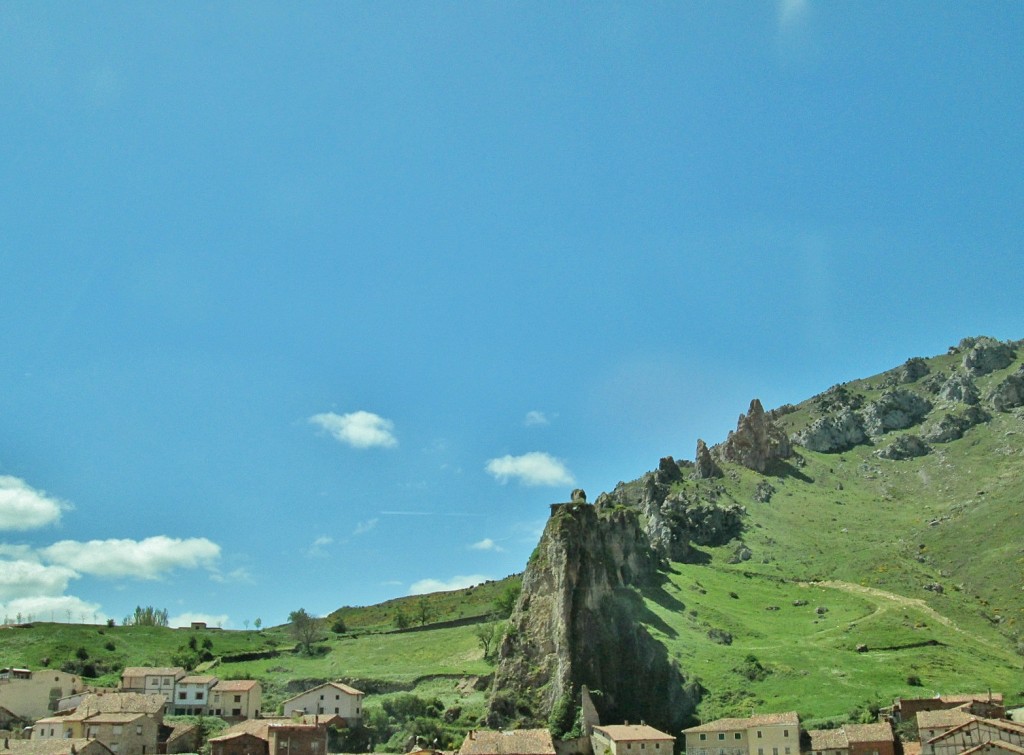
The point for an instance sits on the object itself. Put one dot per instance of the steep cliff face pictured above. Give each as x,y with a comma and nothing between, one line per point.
579,621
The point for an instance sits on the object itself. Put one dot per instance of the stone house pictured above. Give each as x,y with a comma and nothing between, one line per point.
513,742
128,723
630,740
854,739
767,734
333,698
989,705
932,723
53,747
271,737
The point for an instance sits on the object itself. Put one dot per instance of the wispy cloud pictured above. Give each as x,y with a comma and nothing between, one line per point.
240,575
52,607
444,585
363,527
535,418
486,545
318,549
358,429
534,468
23,579
151,558
22,507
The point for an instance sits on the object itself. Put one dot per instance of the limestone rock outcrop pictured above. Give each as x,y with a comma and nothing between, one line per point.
705,466
756,442
575,624
985,355
960,387
904,447
895,410
833,433
1009,394
951,426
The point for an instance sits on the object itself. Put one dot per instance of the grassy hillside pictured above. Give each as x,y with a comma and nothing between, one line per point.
860,578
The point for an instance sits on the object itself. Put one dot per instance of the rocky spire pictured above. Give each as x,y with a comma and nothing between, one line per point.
706,467
756,441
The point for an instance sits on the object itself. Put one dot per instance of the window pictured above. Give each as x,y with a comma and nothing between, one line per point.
116,730
181,695
238,698
199,695
759,734
703,737
785,732
643,746
138,729
787,751
321,697
167,681
721,735
737,735
629,745
760,751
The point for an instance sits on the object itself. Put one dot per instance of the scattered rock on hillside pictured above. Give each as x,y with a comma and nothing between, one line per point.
836,398
834,433
668,471
895,410
756,441
960,388
913,370
1009,394
764,491
706,467
904,447
987,355
953,426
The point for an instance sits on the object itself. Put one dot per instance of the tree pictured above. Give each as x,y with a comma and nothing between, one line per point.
486,635
505,602
401,619
258,623
305,629
338,625
424,611
147,617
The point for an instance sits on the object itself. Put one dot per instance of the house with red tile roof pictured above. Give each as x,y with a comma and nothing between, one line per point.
624,739
511,742
766,734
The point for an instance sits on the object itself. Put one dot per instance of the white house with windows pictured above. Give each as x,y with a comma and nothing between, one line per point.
192,695
333,698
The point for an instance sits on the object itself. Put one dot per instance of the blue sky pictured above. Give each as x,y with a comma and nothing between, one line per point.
310,305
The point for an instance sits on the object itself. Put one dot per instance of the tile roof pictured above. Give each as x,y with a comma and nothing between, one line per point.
513,742
994,745
260,727
113,718
53,747
828,739
733,724
642,732
881,732
119,702
983,697
337,685
942,719
235,685
197,679
153,671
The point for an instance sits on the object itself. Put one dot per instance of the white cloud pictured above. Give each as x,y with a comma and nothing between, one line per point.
534,468
52,607
439,585
26,579
22,507
143,559
486,545
358,429
534,418
239,575
185,619
363,527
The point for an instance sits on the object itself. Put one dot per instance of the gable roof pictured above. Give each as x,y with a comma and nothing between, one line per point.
513,742
336,685
119,702
176,671
733,724
235,685
198,679
995,744
624,733
942,719
53,747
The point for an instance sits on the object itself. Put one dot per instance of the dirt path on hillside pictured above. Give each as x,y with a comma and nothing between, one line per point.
900,600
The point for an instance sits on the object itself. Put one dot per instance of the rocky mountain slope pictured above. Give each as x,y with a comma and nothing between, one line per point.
907,483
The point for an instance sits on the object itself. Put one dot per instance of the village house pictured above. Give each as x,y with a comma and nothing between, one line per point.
932,723
630,740
272,737
331,698
513,742
985,704
767,734
128,723
192,695
152,680
853,739
973,734
236,698
29,695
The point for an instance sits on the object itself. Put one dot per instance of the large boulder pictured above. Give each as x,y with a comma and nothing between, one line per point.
913,369
960,388
904,447
895,410
834,433
951,427
987,355
1009,394
756,441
